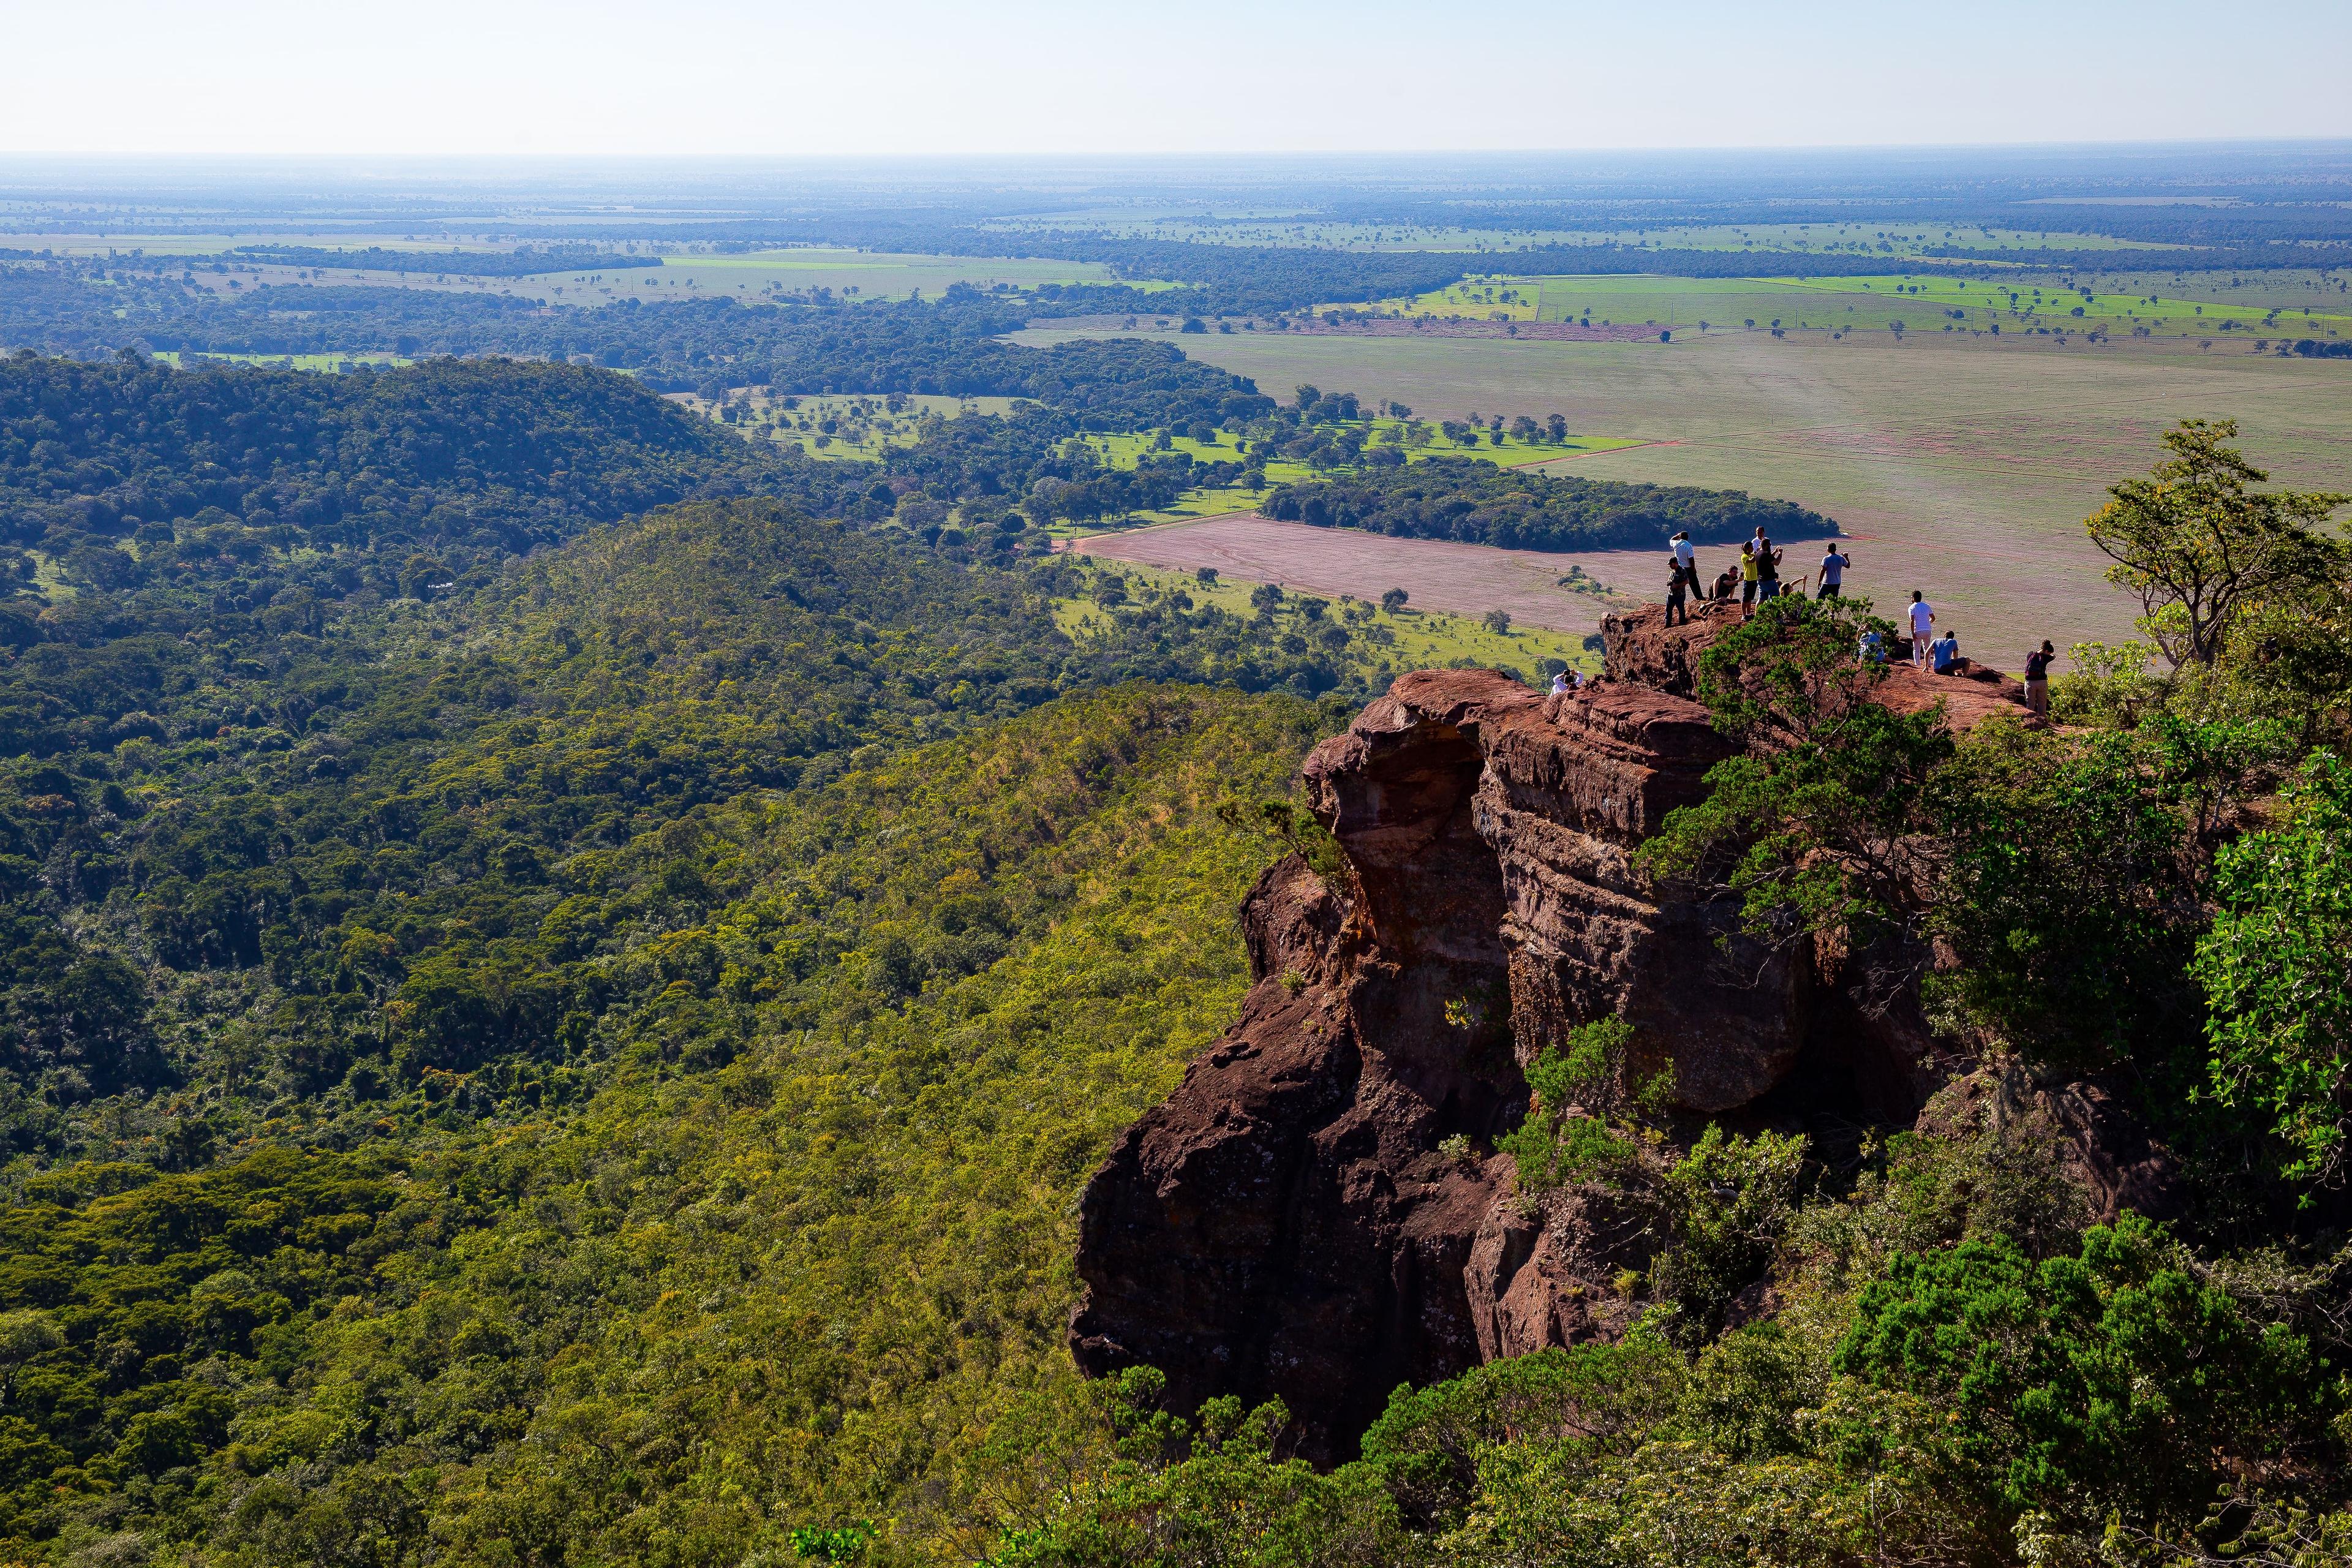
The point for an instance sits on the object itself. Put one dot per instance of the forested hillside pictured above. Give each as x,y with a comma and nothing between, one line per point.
355,862
562,972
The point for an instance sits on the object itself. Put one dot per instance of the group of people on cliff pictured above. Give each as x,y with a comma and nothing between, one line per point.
1756,577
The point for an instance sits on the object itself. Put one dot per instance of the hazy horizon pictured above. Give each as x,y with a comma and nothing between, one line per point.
1048,76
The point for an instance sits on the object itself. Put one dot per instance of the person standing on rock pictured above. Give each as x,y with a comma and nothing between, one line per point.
1833,565
1685,557
1923,621
1747,578
2037,678
1677,587
1767,569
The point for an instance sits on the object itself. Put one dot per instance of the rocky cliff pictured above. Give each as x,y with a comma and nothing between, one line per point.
1286,1223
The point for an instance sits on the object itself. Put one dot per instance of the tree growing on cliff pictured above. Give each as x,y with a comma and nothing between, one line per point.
1813,828
2201,547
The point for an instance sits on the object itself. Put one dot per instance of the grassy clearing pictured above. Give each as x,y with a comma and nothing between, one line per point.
858,428
1409,640
1419,439
326,362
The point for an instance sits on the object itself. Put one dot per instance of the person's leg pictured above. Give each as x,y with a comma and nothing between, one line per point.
1829,591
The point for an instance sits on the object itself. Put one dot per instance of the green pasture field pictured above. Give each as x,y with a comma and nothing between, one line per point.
1425,639
864,424
1963,465
1923,303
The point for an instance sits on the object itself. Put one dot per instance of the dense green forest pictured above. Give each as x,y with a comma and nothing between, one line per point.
1478,503
561,972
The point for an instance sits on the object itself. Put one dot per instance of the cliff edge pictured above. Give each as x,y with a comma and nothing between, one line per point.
1286,1223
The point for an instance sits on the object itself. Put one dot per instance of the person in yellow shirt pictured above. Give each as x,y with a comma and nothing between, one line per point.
1748,578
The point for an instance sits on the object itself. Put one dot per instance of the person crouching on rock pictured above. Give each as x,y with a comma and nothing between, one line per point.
1946,652
1677,587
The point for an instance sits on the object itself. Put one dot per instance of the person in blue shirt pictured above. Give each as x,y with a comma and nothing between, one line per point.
1946,651
1833,568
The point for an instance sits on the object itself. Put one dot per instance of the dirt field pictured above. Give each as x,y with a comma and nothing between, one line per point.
1471,579
1466,579
1964,471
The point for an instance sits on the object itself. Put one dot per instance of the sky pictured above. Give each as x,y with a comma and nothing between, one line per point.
783,78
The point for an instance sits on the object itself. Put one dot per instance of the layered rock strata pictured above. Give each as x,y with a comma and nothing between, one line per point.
1305,1216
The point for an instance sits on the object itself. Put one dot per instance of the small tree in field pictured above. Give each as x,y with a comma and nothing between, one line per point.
2201,547
1497,621
1394,600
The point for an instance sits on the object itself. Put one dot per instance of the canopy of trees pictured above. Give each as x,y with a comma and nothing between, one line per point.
1478,503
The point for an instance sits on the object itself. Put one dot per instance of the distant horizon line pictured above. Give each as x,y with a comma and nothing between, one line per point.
184,159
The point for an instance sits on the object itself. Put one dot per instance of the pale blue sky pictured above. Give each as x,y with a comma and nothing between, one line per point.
785,77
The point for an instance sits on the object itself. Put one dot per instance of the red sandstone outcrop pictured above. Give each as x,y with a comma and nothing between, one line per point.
1286,1223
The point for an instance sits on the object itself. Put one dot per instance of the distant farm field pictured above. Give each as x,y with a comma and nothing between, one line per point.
1962,471
1918,303
1893,236
842,274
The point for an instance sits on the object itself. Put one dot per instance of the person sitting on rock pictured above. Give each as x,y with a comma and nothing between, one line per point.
1676,588
1560,687
1946,652
1873,649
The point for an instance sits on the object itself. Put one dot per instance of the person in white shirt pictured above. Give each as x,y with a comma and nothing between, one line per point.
1560,684
1833,565
1923,621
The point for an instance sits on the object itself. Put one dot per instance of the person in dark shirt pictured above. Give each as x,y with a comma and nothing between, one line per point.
2037,678
1678,586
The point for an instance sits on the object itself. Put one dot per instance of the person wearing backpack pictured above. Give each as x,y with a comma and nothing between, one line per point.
2037,678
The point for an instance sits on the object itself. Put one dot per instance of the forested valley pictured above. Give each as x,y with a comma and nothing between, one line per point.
564,967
